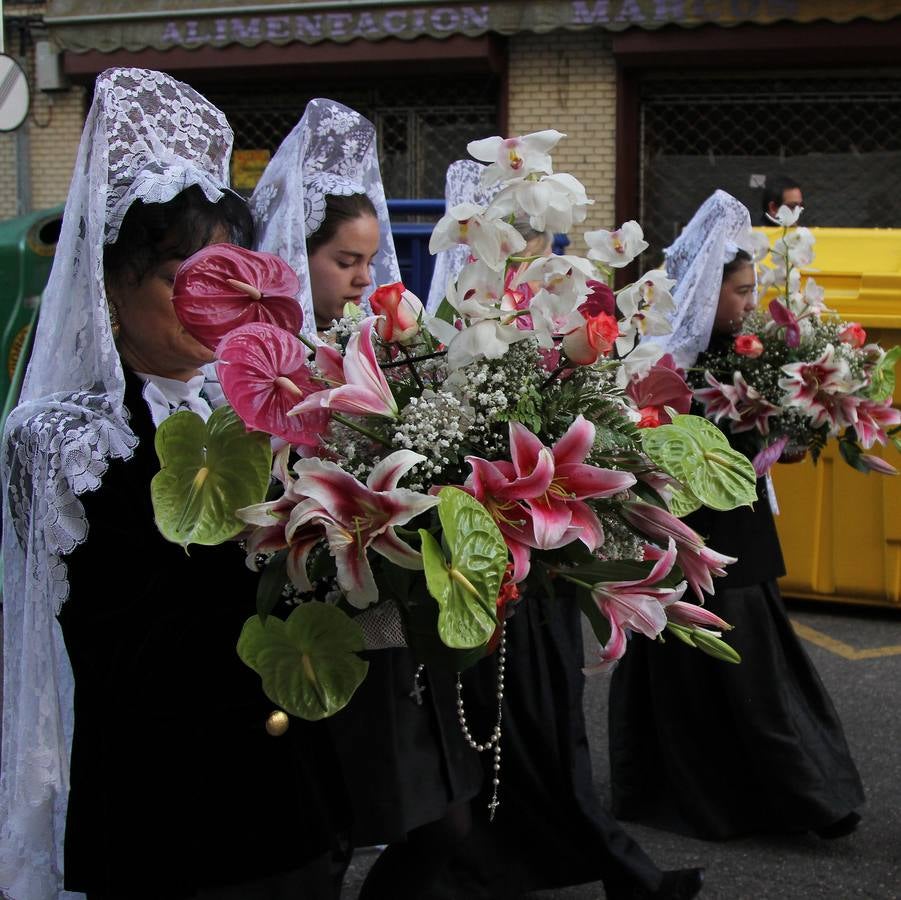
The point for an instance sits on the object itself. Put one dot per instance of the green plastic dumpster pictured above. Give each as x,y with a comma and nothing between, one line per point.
27,245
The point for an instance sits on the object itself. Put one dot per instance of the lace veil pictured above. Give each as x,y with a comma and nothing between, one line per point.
331,150
147,137
463,185
695,260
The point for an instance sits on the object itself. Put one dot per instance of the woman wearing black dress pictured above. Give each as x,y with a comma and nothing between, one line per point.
184,782
699,746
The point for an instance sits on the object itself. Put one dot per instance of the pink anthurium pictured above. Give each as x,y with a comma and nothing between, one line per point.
263,371
561,507
663,386
637,605
357,516
223,287
365,391
697,561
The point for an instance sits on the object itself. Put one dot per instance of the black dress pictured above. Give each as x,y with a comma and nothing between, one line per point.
175,783
716,750
403,756
550,829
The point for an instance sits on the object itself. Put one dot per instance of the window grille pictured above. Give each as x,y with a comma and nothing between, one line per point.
839,138
421,125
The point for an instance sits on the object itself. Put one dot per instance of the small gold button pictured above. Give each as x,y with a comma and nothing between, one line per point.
277,723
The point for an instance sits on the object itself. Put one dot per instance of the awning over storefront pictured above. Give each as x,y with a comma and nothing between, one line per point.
80,26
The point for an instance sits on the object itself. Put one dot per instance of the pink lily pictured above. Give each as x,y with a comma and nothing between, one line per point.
271,519
263,372
365,391
561,506
696,560
638,605
498,488
823,389
357,516
718,400
786,319
877,464
873,419
690,614
754,410
765,459
223,287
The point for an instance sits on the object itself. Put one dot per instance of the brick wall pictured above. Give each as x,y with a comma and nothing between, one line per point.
53,129
568,81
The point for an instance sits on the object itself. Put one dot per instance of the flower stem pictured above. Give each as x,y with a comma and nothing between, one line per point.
412,368
305,340
553,376
366,432
412,359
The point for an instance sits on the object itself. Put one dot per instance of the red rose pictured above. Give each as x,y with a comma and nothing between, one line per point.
597,333
853,334
400,311
748,345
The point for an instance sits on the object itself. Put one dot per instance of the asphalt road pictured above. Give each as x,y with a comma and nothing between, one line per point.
858,655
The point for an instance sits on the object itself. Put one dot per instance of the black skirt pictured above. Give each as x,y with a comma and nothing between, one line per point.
550,829
715,750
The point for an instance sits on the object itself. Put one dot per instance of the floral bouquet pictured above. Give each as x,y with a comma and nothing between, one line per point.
400,482
797,374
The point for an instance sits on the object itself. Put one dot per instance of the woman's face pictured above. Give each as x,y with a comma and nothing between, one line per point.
339,268
737,298
151,338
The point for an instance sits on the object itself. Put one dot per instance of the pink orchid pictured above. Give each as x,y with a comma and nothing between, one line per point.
638,605
786,319
357,516
263,371
561,506
663,386
365,391
698,562
753,409
223,287
872,420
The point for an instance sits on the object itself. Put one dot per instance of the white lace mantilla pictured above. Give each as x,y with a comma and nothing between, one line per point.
695,260
147,137
331,150
462,185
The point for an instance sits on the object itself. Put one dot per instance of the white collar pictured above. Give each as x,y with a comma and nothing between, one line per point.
165,396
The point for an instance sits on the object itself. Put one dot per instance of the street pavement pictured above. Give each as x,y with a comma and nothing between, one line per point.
858,655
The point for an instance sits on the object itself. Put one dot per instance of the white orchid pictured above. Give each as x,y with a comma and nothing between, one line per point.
644,307
786,217
755,243
559,274
616,248
552,314
491,239
637,363
485,338
552,203
515,157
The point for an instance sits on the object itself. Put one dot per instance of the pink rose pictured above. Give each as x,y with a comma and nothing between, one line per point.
853,334
400,311
748,345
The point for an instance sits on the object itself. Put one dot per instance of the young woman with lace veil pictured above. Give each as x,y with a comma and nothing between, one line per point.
774,757
550,829
171,785
321,206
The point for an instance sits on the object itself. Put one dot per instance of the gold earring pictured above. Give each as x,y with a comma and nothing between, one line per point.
114,323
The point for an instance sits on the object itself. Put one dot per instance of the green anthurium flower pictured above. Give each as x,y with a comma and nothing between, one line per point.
696,453
465,586
308,662
207,471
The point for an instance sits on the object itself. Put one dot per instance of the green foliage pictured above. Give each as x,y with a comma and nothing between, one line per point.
466,586
308,663
882,384
697,454
207,472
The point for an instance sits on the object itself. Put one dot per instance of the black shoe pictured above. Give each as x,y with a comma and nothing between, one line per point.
842,828
677,884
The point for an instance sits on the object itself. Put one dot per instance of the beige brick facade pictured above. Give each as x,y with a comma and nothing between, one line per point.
567,81
52,132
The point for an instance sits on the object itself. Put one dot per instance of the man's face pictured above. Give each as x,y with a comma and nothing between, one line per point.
791,197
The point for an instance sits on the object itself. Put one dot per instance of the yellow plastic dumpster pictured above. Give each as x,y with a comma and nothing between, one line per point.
840,529
27,245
